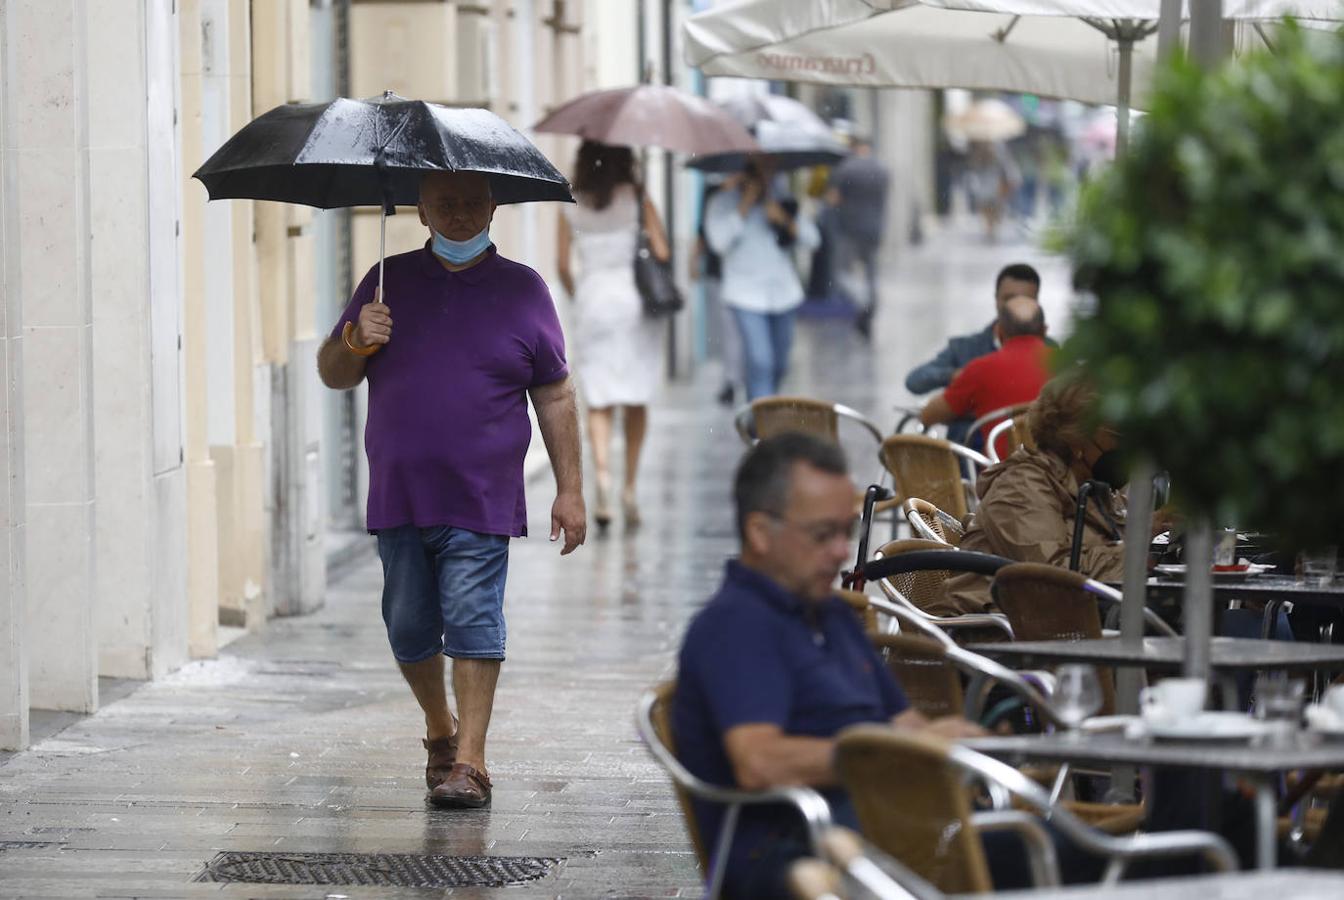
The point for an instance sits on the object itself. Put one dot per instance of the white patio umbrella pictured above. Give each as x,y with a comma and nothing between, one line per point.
1089,50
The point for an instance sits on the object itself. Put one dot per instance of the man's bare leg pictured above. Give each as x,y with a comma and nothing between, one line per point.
474,687
426,681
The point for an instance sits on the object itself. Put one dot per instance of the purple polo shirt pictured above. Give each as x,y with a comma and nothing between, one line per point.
448,426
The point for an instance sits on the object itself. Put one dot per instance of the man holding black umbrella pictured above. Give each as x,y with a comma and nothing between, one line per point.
475,335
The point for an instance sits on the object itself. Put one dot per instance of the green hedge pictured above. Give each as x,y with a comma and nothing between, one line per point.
1216,253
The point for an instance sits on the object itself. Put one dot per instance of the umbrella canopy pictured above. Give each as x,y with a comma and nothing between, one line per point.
650,115
373,153
911,43
752,109
988,120
787,147
1053,48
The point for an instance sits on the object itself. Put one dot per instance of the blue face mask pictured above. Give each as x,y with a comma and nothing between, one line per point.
459,252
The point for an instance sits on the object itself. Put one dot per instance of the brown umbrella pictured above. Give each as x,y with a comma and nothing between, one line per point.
650,115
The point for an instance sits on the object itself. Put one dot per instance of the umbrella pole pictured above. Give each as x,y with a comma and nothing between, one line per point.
1126,47
382,252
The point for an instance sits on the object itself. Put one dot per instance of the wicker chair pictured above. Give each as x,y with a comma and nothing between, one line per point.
877,874
654,723
909,792
931,523
769,416
1047,603
921,582
926,674
929,467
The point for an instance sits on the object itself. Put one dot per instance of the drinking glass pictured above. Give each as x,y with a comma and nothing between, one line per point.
1077,694
1318,567
1278,701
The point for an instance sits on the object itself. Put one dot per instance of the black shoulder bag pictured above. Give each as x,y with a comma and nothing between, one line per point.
653,278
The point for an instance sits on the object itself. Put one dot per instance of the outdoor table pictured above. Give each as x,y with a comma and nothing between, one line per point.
1297,884
1168,653
1272,590
1260,762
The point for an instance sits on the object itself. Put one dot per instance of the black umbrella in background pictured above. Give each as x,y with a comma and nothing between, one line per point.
373,153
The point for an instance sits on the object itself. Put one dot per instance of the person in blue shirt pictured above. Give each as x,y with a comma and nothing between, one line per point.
776,665
1018,279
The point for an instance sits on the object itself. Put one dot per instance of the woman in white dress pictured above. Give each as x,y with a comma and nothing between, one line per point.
619,350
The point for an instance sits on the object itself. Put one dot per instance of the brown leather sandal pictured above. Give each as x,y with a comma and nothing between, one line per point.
465,786
442,756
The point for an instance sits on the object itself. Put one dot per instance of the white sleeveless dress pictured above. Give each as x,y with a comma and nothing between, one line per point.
619,350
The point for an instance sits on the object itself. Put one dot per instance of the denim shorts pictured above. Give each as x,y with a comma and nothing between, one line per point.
443,592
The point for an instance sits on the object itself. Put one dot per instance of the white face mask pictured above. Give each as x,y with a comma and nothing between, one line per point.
459,252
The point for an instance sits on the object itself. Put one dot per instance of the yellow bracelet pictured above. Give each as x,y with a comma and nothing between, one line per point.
358,351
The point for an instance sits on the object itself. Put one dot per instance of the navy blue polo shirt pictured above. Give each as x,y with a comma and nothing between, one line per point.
757,654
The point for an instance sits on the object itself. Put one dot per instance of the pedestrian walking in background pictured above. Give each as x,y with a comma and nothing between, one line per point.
475,336
620,348
858,194
991,179
755,227
706,266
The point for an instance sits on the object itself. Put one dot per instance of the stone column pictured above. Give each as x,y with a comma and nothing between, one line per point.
202,508
138,476
48,175
13,611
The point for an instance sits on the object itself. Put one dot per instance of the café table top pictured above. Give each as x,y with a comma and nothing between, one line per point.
1299,884
1303,750
1168,653
1259,587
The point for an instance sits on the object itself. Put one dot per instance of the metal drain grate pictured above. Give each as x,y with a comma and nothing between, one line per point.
395,869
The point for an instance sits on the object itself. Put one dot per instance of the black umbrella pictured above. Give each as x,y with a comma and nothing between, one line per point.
373,153
786,146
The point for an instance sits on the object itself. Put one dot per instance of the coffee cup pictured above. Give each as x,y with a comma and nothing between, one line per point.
1333,700
1173,699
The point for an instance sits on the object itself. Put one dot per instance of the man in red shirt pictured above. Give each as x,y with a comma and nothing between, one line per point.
1011,375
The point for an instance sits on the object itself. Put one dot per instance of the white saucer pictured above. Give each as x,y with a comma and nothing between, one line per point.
1207,726
1324,721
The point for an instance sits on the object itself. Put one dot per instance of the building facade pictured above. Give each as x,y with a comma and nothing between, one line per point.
170,461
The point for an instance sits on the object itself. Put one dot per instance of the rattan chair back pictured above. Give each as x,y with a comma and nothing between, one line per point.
1048,603
926,588
930,680
661,715
912,804
858,602
928,521
775,415
926,467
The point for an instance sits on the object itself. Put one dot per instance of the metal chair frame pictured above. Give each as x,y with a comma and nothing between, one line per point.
1003,412
917,513
1108,596
992,439
810,804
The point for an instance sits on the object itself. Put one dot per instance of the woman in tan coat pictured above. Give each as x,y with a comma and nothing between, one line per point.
1029,501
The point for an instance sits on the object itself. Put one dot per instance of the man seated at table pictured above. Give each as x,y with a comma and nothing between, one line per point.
1011,375
776,665
1018,279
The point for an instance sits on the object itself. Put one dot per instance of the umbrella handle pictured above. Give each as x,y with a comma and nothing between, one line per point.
350,345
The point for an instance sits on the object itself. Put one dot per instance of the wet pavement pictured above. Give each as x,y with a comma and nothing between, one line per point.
304,739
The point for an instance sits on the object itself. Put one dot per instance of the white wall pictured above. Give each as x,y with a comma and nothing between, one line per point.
13,611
